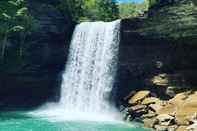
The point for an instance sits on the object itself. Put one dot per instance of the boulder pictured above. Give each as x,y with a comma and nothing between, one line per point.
139,96
141,112
188,109
160,80
149,115
179,99
172,128
151,100
165,119
168,109
149,123
182,128
182,121
192,127
137,107
128,118
170,91
161,128
155,107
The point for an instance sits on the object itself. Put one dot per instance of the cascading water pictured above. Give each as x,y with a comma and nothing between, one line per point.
91,67
89,74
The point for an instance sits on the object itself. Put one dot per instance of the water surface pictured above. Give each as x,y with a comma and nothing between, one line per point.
22,122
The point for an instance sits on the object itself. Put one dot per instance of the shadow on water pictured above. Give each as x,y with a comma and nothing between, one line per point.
6,116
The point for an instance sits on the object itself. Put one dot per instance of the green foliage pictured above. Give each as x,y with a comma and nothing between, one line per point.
12,14
107,10
91,10
14,20
130,10
152,2
73,8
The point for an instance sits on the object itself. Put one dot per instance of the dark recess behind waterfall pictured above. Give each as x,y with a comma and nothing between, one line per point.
39,77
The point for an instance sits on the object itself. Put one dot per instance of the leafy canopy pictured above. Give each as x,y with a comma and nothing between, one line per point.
92,10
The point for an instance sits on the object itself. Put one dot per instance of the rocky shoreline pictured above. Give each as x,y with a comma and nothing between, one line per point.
176,114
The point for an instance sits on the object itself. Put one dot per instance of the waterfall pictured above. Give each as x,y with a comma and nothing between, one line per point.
89,74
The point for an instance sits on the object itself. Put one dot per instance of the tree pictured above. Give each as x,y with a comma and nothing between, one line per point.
129,10
107,10
90,10
14,18
10,11
73,8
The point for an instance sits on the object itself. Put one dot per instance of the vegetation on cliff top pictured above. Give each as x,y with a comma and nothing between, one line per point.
130,10
90,10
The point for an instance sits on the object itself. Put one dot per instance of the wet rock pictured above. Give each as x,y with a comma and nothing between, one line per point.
141,112
139,96
171,91
151,100
121,108
149,115
129,118
165,119
161,128
125,113
160,80
172,128
149,123
137,107
155,107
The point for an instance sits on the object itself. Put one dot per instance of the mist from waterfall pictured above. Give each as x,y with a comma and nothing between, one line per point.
89,73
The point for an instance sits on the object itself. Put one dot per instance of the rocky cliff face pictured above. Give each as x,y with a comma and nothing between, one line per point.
158,50
34,79
157,67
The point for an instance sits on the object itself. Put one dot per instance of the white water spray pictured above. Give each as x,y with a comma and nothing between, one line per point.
90,71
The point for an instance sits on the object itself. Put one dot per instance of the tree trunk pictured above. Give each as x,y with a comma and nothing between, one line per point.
22,41
3,48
